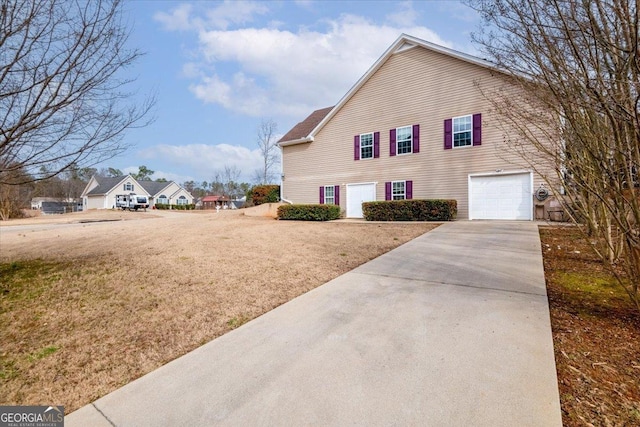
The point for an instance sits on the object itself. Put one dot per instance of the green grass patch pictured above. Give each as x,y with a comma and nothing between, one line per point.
8,369
26,280
41,354
236,322
601,290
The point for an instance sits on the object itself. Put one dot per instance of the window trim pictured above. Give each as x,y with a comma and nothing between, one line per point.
398,153
372,146
128,184
161,198
404,189
333,196
182,200
453,131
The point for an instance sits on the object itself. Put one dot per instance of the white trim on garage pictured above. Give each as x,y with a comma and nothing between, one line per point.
364,192
501,195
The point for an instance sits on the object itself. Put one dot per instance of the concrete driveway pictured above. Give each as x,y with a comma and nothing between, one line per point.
450,329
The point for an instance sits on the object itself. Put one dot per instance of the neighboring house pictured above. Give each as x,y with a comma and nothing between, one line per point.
211,202
414,126
100,192
167,193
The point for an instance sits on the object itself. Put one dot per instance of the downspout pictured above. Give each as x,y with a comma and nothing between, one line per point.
282,199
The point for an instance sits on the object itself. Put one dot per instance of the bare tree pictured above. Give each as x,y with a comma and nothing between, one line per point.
14,198
63,98
578,65
226,182
269,152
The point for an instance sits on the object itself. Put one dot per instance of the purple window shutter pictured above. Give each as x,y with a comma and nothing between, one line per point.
392,142
322,195
448,135
477,129
408,189
336,194
356,147
416,138
376,145
387,191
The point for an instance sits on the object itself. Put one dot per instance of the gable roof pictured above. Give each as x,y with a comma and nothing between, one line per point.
303,128
154,187
402,43
105,184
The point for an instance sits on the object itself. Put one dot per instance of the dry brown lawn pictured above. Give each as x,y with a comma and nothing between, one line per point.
86,307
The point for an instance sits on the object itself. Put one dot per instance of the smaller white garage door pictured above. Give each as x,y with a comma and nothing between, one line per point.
356,195
503,196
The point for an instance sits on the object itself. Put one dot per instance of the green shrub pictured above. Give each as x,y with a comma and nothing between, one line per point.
265,194
309,212
410,210
165,206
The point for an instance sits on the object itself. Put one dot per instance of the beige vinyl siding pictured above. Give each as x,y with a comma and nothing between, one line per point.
416,86
110,198
170,189
180,192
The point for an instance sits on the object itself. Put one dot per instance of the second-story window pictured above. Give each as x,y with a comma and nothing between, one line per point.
366,146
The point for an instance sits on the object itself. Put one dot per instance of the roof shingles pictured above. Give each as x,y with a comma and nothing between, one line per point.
305,127
105,184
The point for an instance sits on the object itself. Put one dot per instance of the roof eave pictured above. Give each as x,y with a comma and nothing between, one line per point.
296,141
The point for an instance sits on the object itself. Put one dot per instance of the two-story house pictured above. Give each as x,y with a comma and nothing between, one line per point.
414,126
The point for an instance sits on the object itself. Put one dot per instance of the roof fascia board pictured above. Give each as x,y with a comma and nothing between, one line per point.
180,189
398,46
85,191
297,141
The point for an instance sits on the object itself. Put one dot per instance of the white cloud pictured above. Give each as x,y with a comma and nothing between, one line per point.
234,12
407,15
201,160
270,71
177,20
221,17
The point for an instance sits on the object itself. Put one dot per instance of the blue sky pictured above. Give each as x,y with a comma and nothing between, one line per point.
219,68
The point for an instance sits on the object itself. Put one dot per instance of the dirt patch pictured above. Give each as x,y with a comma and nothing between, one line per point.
596,334
88,307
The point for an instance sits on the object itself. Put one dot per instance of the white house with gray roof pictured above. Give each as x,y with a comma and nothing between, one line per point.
100,192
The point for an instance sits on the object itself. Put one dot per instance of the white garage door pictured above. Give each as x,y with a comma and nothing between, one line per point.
356,195
504,196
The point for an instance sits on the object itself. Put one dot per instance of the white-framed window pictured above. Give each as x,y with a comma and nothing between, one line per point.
462,131
329,195
404,140
398,190
366,146
128,186
163,200
181,200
